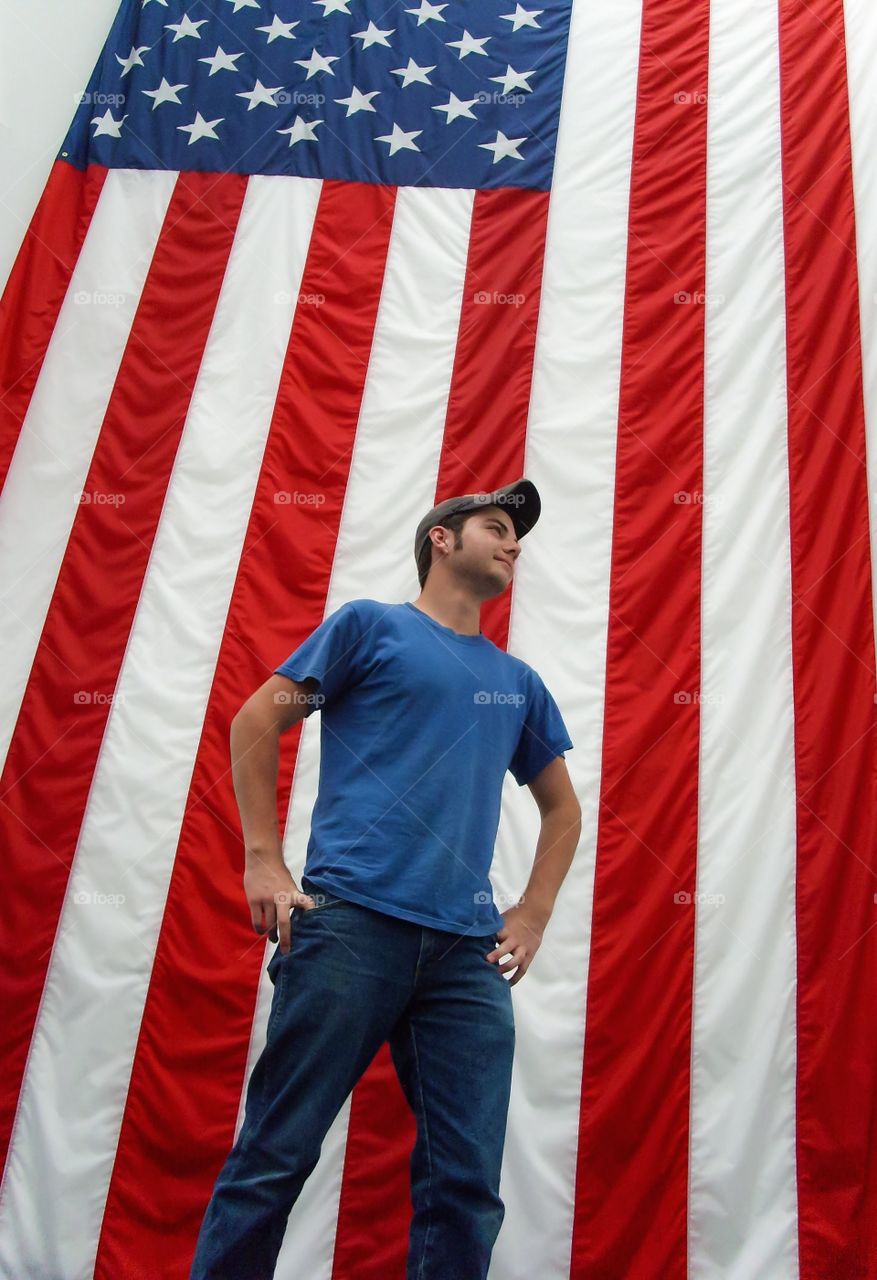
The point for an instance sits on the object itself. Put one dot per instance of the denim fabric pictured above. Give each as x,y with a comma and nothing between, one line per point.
353,979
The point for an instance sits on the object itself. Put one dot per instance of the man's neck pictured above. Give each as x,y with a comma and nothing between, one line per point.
460,613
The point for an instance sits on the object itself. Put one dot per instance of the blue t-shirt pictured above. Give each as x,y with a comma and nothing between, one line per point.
419,725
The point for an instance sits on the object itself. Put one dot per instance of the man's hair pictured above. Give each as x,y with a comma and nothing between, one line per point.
455,524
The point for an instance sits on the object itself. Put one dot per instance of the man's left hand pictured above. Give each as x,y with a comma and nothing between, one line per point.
520,939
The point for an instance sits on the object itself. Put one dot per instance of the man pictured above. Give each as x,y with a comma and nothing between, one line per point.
394,935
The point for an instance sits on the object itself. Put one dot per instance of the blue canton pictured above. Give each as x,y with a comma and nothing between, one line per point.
463,93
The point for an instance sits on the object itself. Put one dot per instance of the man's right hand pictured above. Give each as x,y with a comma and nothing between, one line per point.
272,893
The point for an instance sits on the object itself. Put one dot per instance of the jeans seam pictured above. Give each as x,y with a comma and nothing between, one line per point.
275,1012
419,1080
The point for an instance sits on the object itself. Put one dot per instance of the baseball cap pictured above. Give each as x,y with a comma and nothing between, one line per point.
521,498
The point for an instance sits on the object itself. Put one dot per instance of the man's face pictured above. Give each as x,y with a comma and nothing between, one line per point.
488,553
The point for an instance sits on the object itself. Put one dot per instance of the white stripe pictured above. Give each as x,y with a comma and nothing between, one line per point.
742,1213
50,465
561,608
392,482
78,1074
861,30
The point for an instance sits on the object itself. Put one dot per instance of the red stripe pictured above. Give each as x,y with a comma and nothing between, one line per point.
191,1058
36,288
833,658
632,1161
57,737
483,446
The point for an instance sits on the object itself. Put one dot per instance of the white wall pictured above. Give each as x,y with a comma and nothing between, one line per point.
48,49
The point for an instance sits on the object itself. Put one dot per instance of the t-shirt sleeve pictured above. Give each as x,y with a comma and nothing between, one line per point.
543,735
332,655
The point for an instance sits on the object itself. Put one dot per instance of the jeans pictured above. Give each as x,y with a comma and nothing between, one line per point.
353,978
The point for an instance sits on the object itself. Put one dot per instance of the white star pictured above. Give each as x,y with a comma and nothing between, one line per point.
334,6
301,131
358,101
522,17
165,93
107,125
222,61
316,62
186,27
427,11
373,35
146,2
260,94
469,44
278,29
244,4
513,80
455,107
411,74
133,59
399,140
200,128
503,147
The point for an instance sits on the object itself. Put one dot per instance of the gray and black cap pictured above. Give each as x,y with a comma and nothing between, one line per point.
521,500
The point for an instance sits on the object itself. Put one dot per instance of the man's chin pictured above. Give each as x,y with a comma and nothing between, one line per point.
499,582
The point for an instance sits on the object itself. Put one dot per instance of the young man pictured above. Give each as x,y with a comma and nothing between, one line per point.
394,935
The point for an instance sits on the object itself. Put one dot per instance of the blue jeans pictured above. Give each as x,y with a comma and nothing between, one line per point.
352,979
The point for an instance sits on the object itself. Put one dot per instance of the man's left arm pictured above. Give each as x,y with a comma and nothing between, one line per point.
561,814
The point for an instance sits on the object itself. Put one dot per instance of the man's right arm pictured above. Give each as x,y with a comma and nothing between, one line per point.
275,708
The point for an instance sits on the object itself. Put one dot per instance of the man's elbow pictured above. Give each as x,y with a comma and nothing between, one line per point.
566,812
569,812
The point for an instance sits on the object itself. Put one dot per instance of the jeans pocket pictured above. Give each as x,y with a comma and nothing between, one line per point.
274,963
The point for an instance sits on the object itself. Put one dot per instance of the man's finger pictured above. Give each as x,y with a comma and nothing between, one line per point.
517,955
270,912
283,905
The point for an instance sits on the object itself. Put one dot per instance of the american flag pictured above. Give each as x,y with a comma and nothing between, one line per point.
300,270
